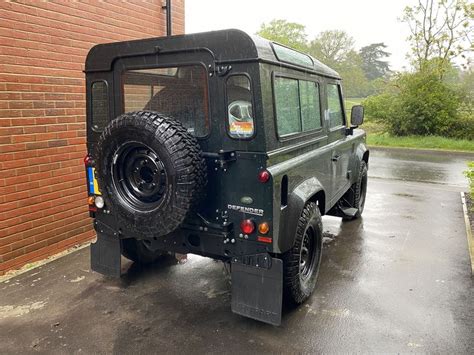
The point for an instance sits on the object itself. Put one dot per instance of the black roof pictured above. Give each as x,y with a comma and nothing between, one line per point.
224,45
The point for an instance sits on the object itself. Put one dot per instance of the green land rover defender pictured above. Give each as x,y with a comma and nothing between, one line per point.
224,145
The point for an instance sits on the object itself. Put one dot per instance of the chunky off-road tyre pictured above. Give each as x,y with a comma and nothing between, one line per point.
355,196
139,252
301,263
150,171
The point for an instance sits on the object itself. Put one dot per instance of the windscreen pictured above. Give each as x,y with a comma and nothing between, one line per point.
177,92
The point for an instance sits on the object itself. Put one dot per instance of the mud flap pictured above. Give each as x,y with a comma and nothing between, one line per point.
257,287
106,255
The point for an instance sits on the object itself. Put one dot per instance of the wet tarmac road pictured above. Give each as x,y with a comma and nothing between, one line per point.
396,281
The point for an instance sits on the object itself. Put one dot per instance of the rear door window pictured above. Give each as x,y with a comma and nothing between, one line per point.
177,92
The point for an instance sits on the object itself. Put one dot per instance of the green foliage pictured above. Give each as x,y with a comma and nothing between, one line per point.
421,103
290,34
470,177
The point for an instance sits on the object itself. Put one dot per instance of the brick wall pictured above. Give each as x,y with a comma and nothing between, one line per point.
43,45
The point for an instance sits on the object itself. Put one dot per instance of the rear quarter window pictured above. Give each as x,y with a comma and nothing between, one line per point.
240,113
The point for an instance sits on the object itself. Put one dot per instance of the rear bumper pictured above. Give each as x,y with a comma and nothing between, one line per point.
219,242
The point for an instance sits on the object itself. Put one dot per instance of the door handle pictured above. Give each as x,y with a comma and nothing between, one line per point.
335,157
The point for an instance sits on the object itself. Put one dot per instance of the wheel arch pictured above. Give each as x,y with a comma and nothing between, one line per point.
363,153
310,190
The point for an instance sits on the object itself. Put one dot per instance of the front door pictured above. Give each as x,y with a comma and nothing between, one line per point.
336,119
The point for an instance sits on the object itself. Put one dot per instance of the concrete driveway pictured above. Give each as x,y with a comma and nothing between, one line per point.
396,281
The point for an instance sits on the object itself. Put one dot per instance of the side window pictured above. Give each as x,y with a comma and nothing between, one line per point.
335,113
297,105
287,106
310,109
239,107
100,105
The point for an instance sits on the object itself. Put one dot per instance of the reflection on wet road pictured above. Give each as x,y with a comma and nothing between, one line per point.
420,166
398,280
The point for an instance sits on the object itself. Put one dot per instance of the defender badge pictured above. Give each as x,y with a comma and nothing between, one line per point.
249,210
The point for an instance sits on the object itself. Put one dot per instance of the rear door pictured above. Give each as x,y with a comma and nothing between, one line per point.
179,84
341,146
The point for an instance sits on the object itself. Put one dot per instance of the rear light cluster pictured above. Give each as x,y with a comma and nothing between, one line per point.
88,160
263,176
247,226
94,200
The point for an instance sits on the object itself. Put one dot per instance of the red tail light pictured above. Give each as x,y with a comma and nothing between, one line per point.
247,226
87,160
263,176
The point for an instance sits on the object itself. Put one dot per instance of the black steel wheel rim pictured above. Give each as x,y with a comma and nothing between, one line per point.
139,176
307,254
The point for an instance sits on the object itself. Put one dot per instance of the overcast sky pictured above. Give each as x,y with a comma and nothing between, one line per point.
368,21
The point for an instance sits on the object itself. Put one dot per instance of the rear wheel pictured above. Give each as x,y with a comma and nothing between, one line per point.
301,263
139,251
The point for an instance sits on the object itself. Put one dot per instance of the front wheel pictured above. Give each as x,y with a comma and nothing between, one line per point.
301,263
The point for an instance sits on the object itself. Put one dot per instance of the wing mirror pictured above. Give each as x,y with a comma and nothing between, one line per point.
357,118
357,115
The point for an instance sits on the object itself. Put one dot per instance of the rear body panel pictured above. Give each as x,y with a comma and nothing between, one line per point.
303,162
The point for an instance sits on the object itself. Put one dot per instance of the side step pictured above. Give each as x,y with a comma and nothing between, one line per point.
257,287
349,212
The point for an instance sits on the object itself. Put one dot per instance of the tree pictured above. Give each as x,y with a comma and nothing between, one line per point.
290,34
354,81
335,48
331,47
372,64
441,30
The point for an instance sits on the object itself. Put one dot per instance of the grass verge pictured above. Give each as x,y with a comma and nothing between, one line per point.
421,142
